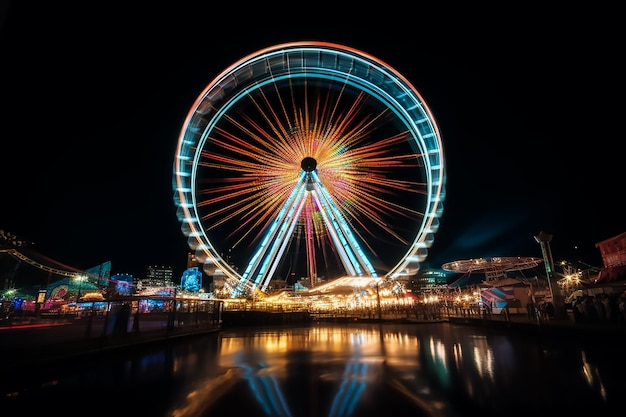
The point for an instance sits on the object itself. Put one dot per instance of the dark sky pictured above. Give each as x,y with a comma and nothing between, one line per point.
529,104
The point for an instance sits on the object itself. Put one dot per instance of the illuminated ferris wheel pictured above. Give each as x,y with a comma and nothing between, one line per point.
309,160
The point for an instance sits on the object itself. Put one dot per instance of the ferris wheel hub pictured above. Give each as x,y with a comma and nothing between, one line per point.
308,164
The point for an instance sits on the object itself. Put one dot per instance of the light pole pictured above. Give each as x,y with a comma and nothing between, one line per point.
80,280
557,299
380,312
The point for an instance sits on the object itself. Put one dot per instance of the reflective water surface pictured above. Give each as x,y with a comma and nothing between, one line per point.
334,370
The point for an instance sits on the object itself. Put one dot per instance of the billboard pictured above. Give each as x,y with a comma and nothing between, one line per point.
102,272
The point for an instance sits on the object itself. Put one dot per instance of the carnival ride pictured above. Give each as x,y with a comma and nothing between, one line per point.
308,160
497,289
22,251
494,268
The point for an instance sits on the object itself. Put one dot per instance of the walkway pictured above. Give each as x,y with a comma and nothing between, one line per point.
599,331
53,340
37,342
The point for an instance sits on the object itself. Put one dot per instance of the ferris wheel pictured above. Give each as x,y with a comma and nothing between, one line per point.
308,160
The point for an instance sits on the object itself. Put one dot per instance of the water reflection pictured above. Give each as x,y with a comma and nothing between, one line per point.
342,371
434,369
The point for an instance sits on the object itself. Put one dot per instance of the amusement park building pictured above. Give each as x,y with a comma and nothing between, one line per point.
613,252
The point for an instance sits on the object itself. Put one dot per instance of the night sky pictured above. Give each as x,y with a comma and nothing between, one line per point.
529,104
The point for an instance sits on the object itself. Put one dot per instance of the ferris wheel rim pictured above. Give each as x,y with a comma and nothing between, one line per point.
316,60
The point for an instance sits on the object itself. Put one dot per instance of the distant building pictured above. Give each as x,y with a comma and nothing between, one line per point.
428,281
192,260
277,285
613,252
158,276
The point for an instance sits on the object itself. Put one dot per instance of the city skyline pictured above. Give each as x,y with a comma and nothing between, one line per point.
528,128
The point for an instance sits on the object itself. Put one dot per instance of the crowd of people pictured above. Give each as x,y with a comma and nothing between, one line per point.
600,308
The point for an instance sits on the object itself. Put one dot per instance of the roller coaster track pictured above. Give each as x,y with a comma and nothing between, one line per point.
26,254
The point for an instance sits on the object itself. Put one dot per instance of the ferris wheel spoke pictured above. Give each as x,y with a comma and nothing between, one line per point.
350,251
269,252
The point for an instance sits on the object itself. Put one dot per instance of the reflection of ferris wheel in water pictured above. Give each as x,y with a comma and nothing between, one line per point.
309,159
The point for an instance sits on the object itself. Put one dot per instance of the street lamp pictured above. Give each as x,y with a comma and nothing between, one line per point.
80,279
